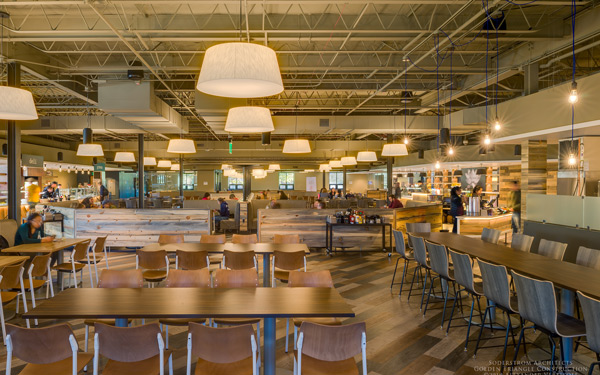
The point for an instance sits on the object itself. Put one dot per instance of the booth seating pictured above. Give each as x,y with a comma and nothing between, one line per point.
259,204
232,224
8,229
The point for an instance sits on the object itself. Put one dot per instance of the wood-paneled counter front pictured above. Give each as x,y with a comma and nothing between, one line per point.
473,225
135,227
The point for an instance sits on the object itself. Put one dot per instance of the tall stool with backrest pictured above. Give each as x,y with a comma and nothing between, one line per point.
185,279
490,235
13,288
318,279
79,258
48,350
285,261
244,238
591,313
588,257
521,242
404,255
420,252
214,238
496,289
463,274
98,254
170,238
286,238
417,228
552,249
537,304
229,350
154,263
327,349
191,260
40,267
131,350
438,260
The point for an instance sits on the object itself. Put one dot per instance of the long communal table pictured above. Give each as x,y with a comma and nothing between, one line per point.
568,276
265,303
264,249
11,260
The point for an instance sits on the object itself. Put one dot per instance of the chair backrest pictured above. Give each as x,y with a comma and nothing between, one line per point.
496,286
41,345
188,279
591,313
400,245
289,260
244,238
490,235
552,249
81,251
316,279
130,203
221,345
286,238
121,279
419,249
128,344
239,260
332,343
418,227
463,270
99,244
40,265
170,238
438,258
521,242
152,260
235,278
588,257
213,238
537,301
11,276
192,260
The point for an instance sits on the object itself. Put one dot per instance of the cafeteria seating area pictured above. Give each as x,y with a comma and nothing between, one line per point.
299,187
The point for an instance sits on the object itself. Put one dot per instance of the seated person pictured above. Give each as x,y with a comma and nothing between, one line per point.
222,213
30,232
206,197
318,204
233,197
88,202
394,202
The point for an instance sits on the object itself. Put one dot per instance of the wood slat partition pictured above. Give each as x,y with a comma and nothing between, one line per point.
421,214
68,219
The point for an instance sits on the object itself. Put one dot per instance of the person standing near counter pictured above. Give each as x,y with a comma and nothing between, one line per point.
103,193
456,206
33,193
30,232
514,202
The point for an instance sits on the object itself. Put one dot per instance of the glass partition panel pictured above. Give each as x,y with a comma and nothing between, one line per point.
555,209
591,212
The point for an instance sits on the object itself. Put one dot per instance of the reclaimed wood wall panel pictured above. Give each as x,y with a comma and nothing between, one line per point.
138,227
508,174
552,178
421,214
69,223
534,170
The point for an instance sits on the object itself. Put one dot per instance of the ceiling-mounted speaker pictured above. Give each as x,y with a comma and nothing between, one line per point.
94,160
517,150
59,156
4,149
444,136
266,138
421,154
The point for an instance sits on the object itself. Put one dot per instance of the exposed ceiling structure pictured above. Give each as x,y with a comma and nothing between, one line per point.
340,58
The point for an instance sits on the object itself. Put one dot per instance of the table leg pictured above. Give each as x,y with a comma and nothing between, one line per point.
266,270
121,322
269,337
60,260
383,237
566,307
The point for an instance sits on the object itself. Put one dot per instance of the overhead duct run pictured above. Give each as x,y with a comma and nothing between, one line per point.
75,125
136,103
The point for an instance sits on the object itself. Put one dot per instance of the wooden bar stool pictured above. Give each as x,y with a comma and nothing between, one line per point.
76,263
155,265
404,255
552,249
521,242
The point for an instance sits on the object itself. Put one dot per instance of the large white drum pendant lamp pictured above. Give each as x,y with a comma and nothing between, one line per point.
249,120
394,149
149,161
296,146
16,104
87,148
240,70
181,146
348,160
366,156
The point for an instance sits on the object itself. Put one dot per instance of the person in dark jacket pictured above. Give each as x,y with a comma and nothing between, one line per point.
394,202
30,231
456,206
223,213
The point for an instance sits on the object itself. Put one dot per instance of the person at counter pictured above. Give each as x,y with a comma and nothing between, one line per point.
30,232
233,197
477,190
102,193
33,193
223,213
456,206
48,192
514,202
394,202
283,196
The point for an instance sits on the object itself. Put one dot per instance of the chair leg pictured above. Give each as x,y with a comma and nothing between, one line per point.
456,295
96,271
403,277
394,276
3,325
445,299
591,372
508,329
412,282
287,333
480,331
521,338
470,322
90,272
258,342
85,344
166,336
35,321
429,294
295,337
553,346
424,288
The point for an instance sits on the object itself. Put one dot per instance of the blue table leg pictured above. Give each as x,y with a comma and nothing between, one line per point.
566,307
266,270
269,337
121,322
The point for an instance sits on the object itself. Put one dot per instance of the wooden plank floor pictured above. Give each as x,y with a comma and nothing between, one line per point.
400,339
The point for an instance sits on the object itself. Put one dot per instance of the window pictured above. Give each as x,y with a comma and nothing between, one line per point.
189,180
336,180
286,180
234,183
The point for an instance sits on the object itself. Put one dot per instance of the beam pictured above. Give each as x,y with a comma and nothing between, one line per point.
14,152
140,187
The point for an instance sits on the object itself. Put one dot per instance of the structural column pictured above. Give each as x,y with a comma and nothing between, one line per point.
247,182
390,163
324,182
345,181
140,187
181,176
531,78
14,152
534,171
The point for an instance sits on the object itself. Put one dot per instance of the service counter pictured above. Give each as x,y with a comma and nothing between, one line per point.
472,225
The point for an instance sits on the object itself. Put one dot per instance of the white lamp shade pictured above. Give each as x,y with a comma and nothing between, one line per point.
90,149
164,164
149,160
259,173
296,146
229,172
124,157
175,167
274,167
240,70
335,164
225,167
366,156
249,120
16,104
348,160
324,168
394,149
181,146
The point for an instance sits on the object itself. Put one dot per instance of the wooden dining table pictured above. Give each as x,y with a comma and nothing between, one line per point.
269,304
570,277
10,260
266,249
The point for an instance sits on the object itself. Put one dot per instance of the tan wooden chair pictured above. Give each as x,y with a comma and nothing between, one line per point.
239,260
40,267
76,263
12,289
247,278
98,253
214,238
285,261
326,350
191,260
184,279
231,350
318,279
48,350
132,350
155,265
170,238
244,238
286,238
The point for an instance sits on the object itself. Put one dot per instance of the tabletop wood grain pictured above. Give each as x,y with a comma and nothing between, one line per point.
193,303
45,247
11,259
259,248
563,274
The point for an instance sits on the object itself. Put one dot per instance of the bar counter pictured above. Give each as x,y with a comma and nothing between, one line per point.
472,225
